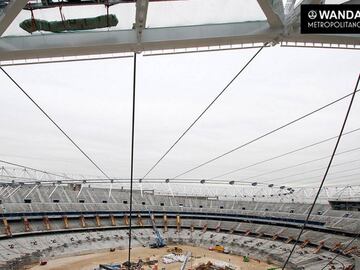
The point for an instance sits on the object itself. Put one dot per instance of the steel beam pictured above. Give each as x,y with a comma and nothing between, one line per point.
103,42
9,14
119,41
293,18
140,19
351,39
274,12
352,2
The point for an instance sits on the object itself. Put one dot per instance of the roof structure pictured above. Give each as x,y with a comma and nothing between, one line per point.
13,178
154,26
166,27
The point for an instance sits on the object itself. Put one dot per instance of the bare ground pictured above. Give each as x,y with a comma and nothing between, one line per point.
199,255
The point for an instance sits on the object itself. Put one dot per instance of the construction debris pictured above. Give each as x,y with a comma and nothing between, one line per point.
172,258
187,258
215,266
129,265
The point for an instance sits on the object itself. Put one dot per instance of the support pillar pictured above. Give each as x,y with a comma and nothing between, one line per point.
82,221
317,249
305,243
113,221
178,224
204,228
98,221
217,229
165,223
126,220
46,223
27,227
140,221
66,223
289,240
7,227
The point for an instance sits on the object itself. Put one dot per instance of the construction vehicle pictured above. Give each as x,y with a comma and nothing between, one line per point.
175,250
43,262
109,266
219,248
159,241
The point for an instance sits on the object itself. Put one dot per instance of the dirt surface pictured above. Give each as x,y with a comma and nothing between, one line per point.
199,255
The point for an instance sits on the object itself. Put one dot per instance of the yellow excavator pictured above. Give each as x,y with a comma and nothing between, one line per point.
175,250
219,248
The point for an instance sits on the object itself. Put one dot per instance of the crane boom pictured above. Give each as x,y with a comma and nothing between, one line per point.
159,241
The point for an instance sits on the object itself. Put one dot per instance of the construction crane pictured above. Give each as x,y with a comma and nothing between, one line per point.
159,241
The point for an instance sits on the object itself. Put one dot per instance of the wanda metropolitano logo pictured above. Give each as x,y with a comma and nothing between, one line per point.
330,19
312,14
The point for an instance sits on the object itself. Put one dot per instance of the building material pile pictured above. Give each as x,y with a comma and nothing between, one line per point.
172,258
215,266
187,258
129,265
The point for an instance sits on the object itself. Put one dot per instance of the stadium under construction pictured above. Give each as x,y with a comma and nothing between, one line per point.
177,134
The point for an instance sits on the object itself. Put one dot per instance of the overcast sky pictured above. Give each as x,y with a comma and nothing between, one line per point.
92,102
